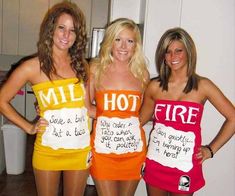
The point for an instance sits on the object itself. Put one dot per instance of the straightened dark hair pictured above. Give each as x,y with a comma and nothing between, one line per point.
176,34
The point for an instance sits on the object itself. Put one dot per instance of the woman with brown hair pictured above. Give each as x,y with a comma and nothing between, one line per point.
176,99
58,76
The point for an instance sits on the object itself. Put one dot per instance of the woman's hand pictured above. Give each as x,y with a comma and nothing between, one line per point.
39,126
203,154
92,111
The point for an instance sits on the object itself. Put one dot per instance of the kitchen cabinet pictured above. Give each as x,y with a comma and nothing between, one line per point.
126,9
85,6
10,24
96,14
99,14
20,22
31,14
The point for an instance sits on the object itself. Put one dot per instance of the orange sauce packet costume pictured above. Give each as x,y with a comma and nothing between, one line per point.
118,141
65,143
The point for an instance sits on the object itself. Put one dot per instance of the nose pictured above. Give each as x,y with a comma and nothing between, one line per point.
173,54
123,44
66,33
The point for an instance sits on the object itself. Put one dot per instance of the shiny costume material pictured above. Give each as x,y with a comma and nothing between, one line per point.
65,143
119,146
171,164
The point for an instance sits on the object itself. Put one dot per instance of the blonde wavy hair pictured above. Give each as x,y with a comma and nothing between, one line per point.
137,63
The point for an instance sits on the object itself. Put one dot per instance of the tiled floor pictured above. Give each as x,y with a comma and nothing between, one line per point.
24,184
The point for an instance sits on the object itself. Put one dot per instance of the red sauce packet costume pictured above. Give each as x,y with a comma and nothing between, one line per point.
65,143
119,146
171,164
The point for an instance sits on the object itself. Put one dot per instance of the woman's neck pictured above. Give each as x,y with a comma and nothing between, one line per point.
61,59
119,67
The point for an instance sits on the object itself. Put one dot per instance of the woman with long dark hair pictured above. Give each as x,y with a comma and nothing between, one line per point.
58,76
176,99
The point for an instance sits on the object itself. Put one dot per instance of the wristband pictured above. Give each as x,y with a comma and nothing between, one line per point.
208,147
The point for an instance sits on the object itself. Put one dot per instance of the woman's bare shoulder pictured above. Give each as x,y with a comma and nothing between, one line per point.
154,82
31,65
208,88
153,86
29,68
205,83
23,72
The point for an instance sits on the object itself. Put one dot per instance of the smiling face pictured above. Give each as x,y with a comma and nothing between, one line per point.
123,46
64,34
176,56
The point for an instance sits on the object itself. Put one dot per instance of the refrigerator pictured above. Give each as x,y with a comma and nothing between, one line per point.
97,37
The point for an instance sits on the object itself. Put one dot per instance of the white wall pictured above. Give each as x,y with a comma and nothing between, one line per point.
159,16
212,26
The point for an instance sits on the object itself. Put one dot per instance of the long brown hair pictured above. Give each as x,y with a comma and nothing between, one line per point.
164,71
77,51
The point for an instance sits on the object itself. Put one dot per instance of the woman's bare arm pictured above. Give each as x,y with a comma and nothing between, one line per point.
147,107
226,108
8,91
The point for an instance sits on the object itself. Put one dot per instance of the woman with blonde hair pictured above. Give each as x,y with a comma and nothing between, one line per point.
118,79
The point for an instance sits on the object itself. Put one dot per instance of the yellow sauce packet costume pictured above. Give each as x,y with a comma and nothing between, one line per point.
65,142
